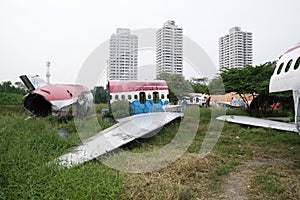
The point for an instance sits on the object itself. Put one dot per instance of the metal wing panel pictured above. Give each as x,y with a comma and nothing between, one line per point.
251,121
127,130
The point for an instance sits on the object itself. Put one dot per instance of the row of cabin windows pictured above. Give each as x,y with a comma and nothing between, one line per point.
197,99
288,66
142,97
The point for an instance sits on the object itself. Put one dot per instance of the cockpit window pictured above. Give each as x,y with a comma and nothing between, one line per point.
296,66
280,68
288,65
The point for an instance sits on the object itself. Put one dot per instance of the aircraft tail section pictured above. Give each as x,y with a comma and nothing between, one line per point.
33,82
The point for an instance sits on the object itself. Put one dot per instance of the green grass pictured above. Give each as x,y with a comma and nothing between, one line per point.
27,147
268,183
10,98
219,172
235,146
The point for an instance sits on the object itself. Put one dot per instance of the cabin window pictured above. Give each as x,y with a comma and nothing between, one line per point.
197,99
129,97
135,96
142,97
116,97
288,65
280,68
162,96
123,97
296,66
191,99
155,97
149,96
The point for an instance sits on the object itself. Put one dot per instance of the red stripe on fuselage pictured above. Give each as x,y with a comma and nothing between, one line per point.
292,49
127,86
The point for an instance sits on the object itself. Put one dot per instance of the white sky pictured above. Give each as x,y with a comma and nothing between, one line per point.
65,32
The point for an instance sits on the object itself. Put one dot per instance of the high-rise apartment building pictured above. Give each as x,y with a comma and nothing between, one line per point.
235,49
169,49
123,56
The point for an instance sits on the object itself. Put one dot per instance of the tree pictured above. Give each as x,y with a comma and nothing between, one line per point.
20,86
199,85
178,86
216,86
8,87
255,81
100,94
249,79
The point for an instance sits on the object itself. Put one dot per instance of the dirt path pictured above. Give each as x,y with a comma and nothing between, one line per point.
238,182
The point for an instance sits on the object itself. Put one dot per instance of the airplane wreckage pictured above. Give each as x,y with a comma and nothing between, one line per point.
150,107
148,100
43,99
286,77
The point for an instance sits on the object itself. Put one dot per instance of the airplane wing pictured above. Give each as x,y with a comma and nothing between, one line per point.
229,105
127,130
265,123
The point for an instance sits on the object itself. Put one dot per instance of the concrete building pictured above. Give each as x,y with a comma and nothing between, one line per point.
169,49
235,49
123,56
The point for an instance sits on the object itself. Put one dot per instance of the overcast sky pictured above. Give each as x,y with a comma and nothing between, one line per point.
65,32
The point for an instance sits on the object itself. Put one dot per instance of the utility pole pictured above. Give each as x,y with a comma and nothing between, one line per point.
48,72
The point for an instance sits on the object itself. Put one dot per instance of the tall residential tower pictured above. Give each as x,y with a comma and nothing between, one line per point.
169,49
235,49
123,56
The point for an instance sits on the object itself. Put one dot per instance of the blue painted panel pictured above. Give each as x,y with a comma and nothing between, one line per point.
149,106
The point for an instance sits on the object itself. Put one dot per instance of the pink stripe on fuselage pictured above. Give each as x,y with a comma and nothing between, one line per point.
292,49
123,86
57,92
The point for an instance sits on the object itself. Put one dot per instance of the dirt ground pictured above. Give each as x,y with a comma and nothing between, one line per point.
190,178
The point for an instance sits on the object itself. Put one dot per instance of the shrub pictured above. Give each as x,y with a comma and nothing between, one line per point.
10,98
121,109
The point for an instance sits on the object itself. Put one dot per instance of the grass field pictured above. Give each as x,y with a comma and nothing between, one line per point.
246,163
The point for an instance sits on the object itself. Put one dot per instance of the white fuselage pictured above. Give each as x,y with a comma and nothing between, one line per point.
286,77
